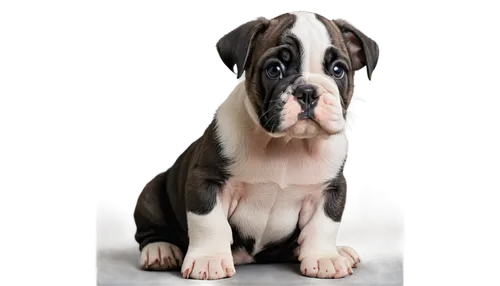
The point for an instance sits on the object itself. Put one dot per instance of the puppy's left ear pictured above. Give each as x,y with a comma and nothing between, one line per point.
236,46
362,50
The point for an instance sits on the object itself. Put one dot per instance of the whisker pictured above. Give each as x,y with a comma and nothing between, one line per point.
272,129
270,119
266,112
272,107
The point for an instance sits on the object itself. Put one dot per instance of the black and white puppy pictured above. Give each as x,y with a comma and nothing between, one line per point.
265,182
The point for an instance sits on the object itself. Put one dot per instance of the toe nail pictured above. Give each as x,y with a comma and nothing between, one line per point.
185,274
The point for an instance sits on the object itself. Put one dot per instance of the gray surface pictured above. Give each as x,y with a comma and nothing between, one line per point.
373,226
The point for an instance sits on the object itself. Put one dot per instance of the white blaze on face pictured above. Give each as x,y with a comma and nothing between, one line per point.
315,40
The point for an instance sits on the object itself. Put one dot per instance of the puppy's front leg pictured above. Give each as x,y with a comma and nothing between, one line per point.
319,222
210,237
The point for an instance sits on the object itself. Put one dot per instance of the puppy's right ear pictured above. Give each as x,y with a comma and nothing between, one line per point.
236,47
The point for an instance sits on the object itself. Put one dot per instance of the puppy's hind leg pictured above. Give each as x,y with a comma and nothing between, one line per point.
162,241
161,256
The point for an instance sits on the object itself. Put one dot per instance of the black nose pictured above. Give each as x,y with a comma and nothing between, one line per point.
306,94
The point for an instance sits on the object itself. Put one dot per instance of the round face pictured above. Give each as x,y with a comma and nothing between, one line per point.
299,80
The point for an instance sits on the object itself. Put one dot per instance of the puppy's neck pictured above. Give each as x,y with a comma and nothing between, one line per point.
236,115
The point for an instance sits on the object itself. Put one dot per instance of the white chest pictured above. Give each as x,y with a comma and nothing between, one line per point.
298,163
266,192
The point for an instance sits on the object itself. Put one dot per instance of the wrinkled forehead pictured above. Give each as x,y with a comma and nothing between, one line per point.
316,35
313,35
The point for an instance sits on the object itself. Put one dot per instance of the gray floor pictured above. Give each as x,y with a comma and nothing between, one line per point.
371,227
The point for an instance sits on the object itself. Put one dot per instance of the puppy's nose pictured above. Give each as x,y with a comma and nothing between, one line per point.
306,93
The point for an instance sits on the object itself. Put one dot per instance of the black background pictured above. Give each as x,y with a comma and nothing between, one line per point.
158,76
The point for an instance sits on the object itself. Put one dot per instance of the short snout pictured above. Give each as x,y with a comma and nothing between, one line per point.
313,103
306,94
307,97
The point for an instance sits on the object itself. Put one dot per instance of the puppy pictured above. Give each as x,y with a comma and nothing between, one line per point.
264,183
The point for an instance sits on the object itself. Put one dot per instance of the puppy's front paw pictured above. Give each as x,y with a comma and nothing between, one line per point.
351,255
207,267
160,256
336,266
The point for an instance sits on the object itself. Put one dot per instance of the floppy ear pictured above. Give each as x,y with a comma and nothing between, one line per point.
235,47
362,50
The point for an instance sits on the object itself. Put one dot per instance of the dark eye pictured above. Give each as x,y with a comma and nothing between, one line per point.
337,71
274,71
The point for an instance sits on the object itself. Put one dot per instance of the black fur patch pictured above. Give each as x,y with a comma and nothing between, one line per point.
288,54
191,184
335,196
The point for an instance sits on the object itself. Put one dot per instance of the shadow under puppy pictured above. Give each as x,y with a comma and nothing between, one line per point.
264,183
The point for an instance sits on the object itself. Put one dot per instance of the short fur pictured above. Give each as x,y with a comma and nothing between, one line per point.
274,147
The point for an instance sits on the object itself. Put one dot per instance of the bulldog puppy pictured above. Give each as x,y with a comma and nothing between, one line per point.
264,183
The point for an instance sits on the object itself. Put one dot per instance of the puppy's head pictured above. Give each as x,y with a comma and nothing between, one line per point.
299,70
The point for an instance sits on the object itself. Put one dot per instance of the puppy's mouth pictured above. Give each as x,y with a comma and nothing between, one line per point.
308,118
306,114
